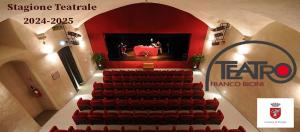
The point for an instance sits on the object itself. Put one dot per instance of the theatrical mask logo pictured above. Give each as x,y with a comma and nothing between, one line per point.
275,110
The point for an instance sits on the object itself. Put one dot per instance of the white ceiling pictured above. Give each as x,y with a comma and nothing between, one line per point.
248,16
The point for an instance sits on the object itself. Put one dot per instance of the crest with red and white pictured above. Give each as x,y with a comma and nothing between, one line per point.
275,110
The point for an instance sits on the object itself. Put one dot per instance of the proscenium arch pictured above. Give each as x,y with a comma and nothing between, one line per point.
209,20
250,42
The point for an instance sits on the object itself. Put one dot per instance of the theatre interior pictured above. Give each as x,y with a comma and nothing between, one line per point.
142,65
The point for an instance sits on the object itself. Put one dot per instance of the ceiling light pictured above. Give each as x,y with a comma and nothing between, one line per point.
62,43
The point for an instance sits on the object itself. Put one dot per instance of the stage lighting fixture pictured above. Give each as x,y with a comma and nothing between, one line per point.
73,34
74,42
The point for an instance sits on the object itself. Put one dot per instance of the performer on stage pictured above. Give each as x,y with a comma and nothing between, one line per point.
158,45
168,48
152,43
122,48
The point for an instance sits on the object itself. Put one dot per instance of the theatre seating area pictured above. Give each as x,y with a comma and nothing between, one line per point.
148,76
157,129
148,104
140,93
147,90
133,98
147,85
154,117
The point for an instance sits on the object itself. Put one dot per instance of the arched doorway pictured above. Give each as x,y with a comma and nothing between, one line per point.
22,85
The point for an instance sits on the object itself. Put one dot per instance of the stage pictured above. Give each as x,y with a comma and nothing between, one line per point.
130,56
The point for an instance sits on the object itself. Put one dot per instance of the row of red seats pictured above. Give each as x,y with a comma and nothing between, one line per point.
140,104
139,72
161,78
147,85
164,117
157,129
140,93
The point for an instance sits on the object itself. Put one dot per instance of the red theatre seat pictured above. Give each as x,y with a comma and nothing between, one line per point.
97,104
107,73
201,117
108,93
71,129
171,117
212,104
97,85
55,129
96,117
187,118
107,79
80,117
198,85
108,103
215,117
97,93
83,104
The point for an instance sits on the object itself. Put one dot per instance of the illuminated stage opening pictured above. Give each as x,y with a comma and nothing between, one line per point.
139,47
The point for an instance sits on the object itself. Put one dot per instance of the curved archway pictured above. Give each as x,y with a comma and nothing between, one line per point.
246,28
21,83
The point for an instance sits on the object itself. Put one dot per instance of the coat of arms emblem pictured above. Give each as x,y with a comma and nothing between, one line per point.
275,110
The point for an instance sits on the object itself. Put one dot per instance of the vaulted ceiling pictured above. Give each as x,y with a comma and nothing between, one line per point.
248,16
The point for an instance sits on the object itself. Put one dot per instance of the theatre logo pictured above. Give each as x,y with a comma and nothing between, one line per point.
233,73
275,112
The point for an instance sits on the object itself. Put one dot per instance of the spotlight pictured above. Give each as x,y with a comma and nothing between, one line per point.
73,34
74,42
73,38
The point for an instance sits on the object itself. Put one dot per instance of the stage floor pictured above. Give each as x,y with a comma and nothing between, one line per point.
130,56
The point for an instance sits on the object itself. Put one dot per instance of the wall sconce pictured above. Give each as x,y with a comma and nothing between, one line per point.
46,48
62,43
